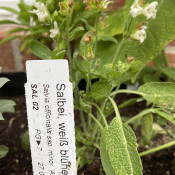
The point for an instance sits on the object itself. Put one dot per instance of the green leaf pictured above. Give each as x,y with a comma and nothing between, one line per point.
18,29
109,38
1,117
104,154
86,45
100,90
77,32
161,121
7,106
147,70
10,10
39,31
80,67
160,32
8,22
146,130
24,44
159,92
79,135
150,77
25,141
157,129
170,72
40,50
106,51
24,18
113,24
82,156
58,54
118,150
9,38
3,81
127,103
23,6
159,61
24,15
85,107
3,151
165,115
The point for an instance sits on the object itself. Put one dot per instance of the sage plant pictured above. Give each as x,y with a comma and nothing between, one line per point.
111,47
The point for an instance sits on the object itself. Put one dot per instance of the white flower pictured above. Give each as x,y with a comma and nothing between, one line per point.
143,27
135,9
32,22
141,34
105,4
40,11
55,31
150,11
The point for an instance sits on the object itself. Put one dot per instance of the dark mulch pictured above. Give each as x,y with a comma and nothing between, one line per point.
18,161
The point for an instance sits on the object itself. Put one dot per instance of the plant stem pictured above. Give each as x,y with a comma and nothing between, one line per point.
96,146
118,49
99,116
157,149
83,122
165,59
144,112
96,33
92,62
99,124
115,109
79,158
88,78
96,40
88,87
69,54
102,115
127,91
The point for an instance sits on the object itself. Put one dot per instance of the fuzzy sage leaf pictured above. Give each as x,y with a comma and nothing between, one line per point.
3,151
3,81
119,148
40,50
146,131
7,106
159,93
1,117
165,115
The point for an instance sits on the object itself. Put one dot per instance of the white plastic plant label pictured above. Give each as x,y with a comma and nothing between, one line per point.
49,99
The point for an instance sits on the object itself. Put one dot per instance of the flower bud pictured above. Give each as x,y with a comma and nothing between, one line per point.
129,59
87,39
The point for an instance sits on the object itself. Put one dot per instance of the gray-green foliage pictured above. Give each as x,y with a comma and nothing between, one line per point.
3,151
106,57
170,72
108,52
119,150
3,81
40,50
29,27
159,92
25,141
146,131
160,31
5,106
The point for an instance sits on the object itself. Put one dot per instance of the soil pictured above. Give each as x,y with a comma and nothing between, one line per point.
18,161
